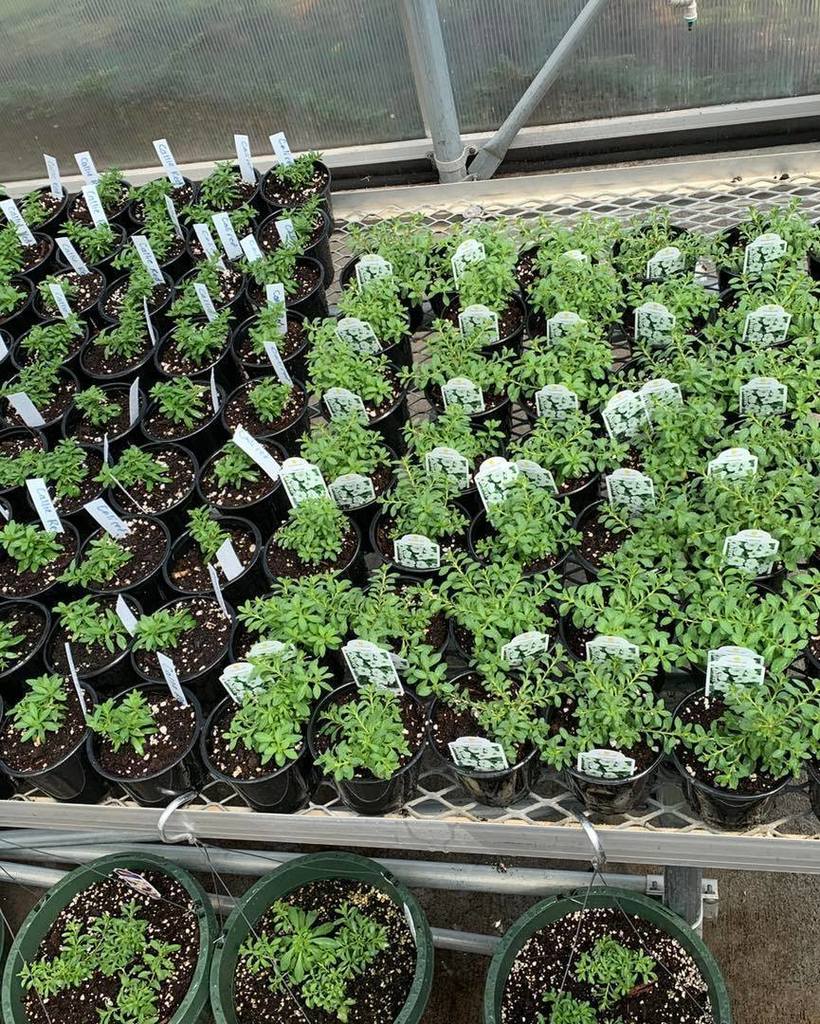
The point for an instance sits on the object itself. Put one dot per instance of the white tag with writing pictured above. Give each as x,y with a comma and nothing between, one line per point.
108,519
624,414
525,647
478,318
725,665
171,677
205,300
494,478
659,391
537,475
667,261
95,206
276,361
250,247
754,551
166,158
55,182
25,409
227,235
244,159
734,463
470,251
149,260
60,300
461,391
206,241
630,488
254,450
137,883
763,253
172,213
358,334
372,267
86,164
556,402
228,560
214,391
478,754
16,219
126,616
281,149
106,455
352,490
75,679
371,665
134,401
340,403
275,295
602,648
285,230
73,258
451,463
302,480
44,506
415,551
563,323
217,589
767,325
605,764
763,396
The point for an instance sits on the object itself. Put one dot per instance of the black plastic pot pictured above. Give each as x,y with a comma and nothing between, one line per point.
266,513
612,797
137,220
415,310
201,441
222,365
287,436
813,772
514,340
147,592
159,789
237,306
281,791
327,203
86,312
72,510
142,368
318,250
37,271
575,559
20,359
119,215
51,429
106,265
295,363
21,319
501,413
385,556
13,678
119,441
369,796
17,497
248,584
174,517
157,313
314,304
57,591
7,365
51,226
391,424
812,663
354,569
480,528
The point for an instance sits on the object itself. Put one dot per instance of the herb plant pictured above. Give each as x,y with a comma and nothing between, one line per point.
266,327
592,290
366,735
406,242
234,468
11,298
126,340
300,173
422,503
135,465
268,399
30,547
452,356
453,428
572,449
201,342
332,363
128,722
96,407
89,622
41,710
379,304
529,524
39,380
206,532
181,400
104,557
315,531
9,642
344,445
93,243
580,359
163,629
52,342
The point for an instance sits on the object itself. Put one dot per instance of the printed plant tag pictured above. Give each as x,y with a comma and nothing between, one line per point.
126,616
227,235
470,251
461,391
605,764
75,679
60,300
166,158
478,754
630,488
340,402
149,260
767,325
86,164
602,648
537,475
525,647
250,247
624,414
74,259
451,463
358,334
352,490
666,262
275,295
55,183
172,213
239,680
264,648
256,451
734,463
207,243
205,300
371,665
575,254
286,231
44,506
228,560
243,158
95,206
276,361
171,677
764,253
653,323
16,219
659,391
302,481
108,519
763,396
479,318
281,149
556,402
137,883
563,323
493,479
754,551
726,665
372,267
414,551
217,589
25,409
134,401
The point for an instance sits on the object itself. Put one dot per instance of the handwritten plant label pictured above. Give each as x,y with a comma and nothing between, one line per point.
763,396
256,451
276,361
171,677
451,463
73,258
86,164
250,247
562,324
371,665
734,463
126,616
137,883
286,231
754,551
55,183
494,478
537,475
75,679
281,149
215,403
666,262
243,158
60,300
102,513
166,158
659,391
172,214
631,489
556,402
149,260
217,589
605,764
604,648
654,323
461,391
726,665
525,647
227,235
16,219
228,560
44,506
763,253
470,251
340,402
207,243
415,551
372,267
95,206
411,925
479,319
767,325
359,334
624,415
275,296
478,754
205,300
26,409
134,401
302,480
352,490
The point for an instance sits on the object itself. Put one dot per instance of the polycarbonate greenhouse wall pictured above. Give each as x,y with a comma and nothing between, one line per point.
111,75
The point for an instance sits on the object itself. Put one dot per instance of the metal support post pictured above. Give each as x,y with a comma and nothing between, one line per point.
493,152
425,44
683,893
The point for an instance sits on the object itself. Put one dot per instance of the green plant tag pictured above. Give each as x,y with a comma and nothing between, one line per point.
470,251
525,647
372,267
451,463
763,396
415,551
479,318
631,489
461,391
624,415
560,325
659,391
666,262
359,334
371,665
603,648
605,764
754,551
763,253
733,462
478,754
654,323
302,480
537,475
556,402
767,325
727,665
340,402
494,478
352,490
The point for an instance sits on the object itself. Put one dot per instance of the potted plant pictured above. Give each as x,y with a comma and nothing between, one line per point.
18,257
133,291
286,185
181,410
268,407
42,209
543,241
224,282
316,537
71,471
98,245
232,483
490,282
98,639
54,341
82,292
591,290
290,338
378,303
310,230
225,189
24,628
19,449
32,560
691,303
16,296
302,277
113,190
50,389
242,218
118,354
168,246
157,480
785,221
196,349
149,198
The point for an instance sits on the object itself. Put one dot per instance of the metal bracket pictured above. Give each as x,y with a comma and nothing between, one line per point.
709,888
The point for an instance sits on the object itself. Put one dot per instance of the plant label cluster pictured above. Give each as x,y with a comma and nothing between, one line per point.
631,489
63,307
205,300
461,391
602,648
302,480
624,414
74,259
478,754
227,235
451,463
659,391
244,158
556,402
172,214
102,513
16,219
767,325
537,475
275,296
494,478
256,451
371,665
654,323
206,240
55,182
86,164
372,267
126,616
95,206
276,361
763,396
562,324
228,559
340,403
764,253
727,665
470,251
25,409
44,506
605,764
148,257
734,463
352,490
281,149
171,677
525,647
239,680
479,318
286,231
170,166
754,551
359,334
666,262
415,551
250,247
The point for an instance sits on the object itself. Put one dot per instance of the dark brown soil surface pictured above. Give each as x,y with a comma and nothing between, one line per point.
85,432
597,541
240,763
386,533
31,757
177,364
269,239
198,648
89,487
163,428
178,465
306,277
99,364
449,725
278,193
13,447
112,304
510,319
33,254
240,412
189,570
282,562
293,340
26,622
14,583
51,410
148,544
232,498
175,729
79,211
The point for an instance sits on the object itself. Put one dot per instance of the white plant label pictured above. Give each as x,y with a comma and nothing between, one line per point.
415,551
238,680
126,616
451,463
171,677
55,182
359,334
172,213
478,318
256,451
624,415
286,231
60,300
75,679
605,648
556,402
763,253
86,164
470,251
73,258
44,506
537,475
227,235
276,361
767,325
630,488
95,206
340,402
478,754
205,300
725,665
275,296
525,647
281,149
214,391
666,262
105,456
302,481
217,589
734,463
206,241
25,409
493,478
763,396
244,159
461,391
575,254
754,551
149,259
134,401
563,323
16,219
250,247
228,560
137,883
352,490
605,764
4,349
408,917
102,513
166,158
372,267
371,665
654,323
659,391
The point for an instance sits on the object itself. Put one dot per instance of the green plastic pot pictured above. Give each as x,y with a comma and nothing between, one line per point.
295,873
550,910
41,918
